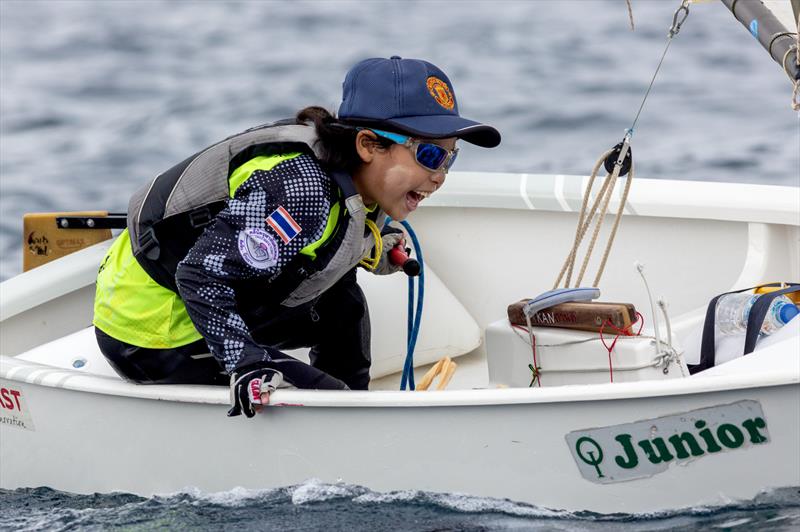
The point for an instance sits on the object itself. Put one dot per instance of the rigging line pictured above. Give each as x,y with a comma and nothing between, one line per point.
673,31
630,14
633,126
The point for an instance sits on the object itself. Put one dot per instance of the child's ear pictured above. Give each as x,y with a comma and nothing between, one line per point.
366,145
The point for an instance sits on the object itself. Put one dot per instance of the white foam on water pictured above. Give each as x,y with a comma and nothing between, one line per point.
70,518
237,496
234,497
733,523
461,502
470,504
383,498
314,490
188,490
783,518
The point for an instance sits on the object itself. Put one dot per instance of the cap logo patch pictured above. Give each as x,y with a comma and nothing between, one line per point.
441,93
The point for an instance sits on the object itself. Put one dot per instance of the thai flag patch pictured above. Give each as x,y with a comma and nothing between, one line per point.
283,224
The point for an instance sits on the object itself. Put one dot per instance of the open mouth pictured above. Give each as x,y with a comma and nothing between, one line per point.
414,197
419,195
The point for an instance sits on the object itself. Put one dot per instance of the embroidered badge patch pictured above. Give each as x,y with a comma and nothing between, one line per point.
258,248
283,224
441,93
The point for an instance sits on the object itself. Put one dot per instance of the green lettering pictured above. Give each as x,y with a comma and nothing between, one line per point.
752,426
708,437
730,436
630,452
657,455
681,441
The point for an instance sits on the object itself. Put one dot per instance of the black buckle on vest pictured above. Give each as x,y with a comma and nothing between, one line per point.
148,244
200,217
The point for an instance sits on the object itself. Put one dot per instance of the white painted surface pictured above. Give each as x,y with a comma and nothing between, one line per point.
489,248
498,443
565,356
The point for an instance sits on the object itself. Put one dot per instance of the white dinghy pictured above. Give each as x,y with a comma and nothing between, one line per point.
625,429
70,423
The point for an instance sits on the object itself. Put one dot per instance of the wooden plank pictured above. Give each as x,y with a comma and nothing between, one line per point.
43,241
584,316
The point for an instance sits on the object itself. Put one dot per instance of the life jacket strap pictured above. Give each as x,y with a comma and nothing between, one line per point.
200,217
148,244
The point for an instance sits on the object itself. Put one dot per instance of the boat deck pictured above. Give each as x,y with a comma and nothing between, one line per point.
78,353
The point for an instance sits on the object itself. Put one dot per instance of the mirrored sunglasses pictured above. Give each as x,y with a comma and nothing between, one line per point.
428,155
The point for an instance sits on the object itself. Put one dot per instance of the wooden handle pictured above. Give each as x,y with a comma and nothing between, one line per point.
581,315
444,367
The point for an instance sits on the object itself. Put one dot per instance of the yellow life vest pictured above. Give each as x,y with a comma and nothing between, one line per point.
131,307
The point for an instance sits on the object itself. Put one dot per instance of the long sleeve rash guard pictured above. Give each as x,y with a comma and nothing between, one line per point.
274,214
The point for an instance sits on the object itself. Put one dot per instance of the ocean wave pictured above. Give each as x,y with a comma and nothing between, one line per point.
315,504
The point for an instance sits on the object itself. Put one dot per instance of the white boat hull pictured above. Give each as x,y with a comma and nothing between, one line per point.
82,430
512,445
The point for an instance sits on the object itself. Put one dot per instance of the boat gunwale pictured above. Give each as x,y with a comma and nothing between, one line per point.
664,198
12,369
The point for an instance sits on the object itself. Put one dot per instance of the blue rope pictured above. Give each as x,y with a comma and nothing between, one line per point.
414,314
408,364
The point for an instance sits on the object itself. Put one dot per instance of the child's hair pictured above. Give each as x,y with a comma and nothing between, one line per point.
337,139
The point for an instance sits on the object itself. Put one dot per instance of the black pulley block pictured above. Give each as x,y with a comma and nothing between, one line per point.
611,160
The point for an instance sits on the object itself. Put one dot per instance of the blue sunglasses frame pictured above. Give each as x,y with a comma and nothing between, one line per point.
420,149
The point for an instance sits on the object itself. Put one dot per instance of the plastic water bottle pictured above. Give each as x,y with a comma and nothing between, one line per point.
734,309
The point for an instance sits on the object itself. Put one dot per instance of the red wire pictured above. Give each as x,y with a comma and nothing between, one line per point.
625,331
620,332
533,347
535,363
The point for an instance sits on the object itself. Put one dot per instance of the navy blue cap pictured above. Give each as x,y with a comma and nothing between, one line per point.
409,96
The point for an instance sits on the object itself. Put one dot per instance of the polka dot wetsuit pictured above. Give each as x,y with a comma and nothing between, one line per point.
242,249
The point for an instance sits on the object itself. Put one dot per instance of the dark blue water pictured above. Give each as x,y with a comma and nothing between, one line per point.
98,96
317,506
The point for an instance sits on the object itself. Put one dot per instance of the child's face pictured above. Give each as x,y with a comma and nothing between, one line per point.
392,178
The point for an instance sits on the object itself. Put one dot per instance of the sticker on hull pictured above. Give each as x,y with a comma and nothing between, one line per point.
14,411
645,448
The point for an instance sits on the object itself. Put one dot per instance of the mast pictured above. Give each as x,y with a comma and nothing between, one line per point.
775,36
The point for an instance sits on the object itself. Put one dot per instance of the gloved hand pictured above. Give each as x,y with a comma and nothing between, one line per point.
391,236
247,387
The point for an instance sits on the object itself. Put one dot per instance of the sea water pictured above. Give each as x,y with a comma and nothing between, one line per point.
96,97
314,505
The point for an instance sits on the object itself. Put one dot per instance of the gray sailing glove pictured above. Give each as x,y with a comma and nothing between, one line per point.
391,236
247,387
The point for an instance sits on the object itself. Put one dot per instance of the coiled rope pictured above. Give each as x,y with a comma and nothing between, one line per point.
607,189
585,220
372,262
414,312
